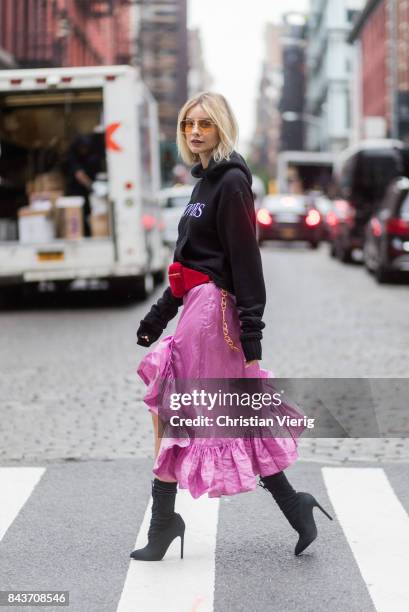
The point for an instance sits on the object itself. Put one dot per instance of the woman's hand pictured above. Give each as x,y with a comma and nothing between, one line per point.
143,340
249,363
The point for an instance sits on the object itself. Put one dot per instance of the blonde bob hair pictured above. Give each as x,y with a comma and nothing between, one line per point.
219,111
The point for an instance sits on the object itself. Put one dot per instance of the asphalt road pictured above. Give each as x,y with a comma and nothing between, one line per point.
68,374
76,441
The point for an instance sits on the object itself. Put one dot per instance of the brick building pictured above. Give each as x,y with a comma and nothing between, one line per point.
163,58
39,33
381,75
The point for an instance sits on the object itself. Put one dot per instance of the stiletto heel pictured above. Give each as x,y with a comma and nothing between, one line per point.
324,511
182,540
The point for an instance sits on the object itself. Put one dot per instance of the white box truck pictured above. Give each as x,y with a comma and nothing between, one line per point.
44,113
304,171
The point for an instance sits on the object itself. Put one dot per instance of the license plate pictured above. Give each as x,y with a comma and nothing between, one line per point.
50,256
287,217
288,232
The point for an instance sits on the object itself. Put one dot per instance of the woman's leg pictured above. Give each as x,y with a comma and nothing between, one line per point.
278,485
157,440
165,524
297,507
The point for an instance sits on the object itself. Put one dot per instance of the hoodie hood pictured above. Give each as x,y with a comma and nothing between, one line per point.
215,169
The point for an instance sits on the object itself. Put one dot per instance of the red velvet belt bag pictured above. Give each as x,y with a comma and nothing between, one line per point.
181,278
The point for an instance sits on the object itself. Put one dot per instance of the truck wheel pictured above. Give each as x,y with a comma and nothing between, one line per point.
130,288
144,286
159,277
10,296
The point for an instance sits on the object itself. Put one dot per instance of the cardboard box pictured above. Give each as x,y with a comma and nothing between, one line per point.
99,225
51,196
70,223
48,181
35,226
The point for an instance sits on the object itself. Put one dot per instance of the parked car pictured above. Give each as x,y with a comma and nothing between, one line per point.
289,217
340,214
386,245
363,173
323,204
173,200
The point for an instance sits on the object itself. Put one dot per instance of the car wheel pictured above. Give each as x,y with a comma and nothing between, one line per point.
384,275
366,263
368,267
343,254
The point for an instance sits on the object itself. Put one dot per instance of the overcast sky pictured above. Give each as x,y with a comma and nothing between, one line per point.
232,37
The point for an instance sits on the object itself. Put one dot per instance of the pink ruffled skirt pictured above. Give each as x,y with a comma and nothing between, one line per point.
198,349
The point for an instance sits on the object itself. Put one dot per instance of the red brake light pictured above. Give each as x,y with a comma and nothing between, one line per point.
376,227
148,221
397,226
264,217
313,217
16,81
331,218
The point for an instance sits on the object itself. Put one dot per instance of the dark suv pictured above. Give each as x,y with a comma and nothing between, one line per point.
364,175
386,243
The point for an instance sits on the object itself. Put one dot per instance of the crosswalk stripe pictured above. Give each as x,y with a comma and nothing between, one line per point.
16,486
376,527
174,584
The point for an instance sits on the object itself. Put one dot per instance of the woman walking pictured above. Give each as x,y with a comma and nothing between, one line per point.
217,277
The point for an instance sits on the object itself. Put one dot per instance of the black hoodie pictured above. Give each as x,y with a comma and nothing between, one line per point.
217,235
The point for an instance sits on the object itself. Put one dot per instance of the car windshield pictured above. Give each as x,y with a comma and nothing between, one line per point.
285,203
177,201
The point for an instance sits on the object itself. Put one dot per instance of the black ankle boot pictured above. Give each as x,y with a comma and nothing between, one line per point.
165,525
296,507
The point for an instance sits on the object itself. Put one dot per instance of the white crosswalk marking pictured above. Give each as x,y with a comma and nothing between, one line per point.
376,527
16,486
175,584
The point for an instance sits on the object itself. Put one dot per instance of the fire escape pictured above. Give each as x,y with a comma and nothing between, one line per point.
41,29
102,8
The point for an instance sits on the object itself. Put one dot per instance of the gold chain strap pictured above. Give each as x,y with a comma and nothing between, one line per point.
225,329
